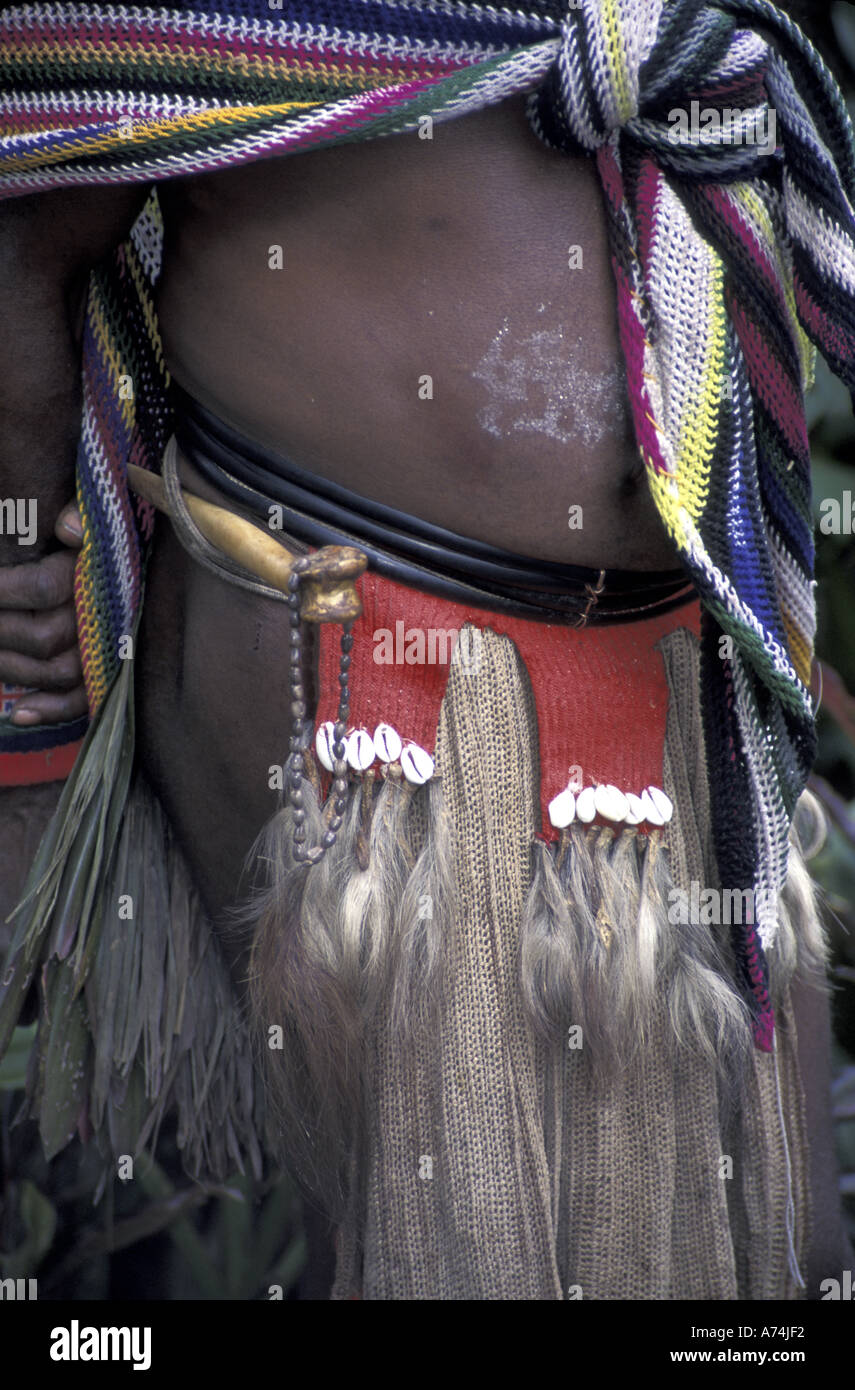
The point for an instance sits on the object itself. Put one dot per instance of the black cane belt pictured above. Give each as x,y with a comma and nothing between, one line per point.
410,551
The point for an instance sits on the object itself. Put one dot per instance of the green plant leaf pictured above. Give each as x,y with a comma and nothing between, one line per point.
13,1068
66,1064
39,1218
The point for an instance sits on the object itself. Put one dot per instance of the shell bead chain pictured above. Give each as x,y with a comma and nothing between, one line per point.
303,853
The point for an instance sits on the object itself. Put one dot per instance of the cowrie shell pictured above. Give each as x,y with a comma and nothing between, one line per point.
585,805
611,803
359,750
652,814
562,809
387,743
635,813
324,739
663,804
416,764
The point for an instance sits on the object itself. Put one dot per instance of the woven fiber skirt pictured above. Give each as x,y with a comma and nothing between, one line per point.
551,1098
502,1160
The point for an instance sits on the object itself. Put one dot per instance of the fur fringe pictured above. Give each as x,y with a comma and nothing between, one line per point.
596,947
357,934
359,941
800,946
361,902
315,1079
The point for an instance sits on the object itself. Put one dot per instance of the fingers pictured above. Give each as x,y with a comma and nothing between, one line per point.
45,708
47,583
38,633
41,635
69,527
58,673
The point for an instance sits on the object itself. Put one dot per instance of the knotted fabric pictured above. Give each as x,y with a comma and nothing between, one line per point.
726,160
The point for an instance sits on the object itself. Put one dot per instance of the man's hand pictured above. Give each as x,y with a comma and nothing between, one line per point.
49,244
38,632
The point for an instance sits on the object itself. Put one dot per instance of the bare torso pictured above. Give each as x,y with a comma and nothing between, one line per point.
401,259
405,258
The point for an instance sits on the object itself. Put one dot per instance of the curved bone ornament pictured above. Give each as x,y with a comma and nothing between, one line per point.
359,750
417,765
387,743
324,740
328,592
562,809
611,803
585,805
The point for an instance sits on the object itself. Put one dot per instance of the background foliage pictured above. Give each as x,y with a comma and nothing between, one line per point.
832,433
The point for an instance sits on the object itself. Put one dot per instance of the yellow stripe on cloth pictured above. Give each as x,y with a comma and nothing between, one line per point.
616,49
142,132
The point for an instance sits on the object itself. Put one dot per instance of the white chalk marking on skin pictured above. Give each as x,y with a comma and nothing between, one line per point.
541,384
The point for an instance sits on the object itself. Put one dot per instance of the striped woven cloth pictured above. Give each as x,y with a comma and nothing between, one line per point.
728,171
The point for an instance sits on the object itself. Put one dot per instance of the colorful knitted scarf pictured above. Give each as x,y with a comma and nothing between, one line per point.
733,247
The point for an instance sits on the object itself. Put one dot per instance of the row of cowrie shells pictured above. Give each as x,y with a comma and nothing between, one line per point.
612,804
360,750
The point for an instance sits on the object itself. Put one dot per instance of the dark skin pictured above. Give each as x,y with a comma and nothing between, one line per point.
404,257
327,371
401,258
